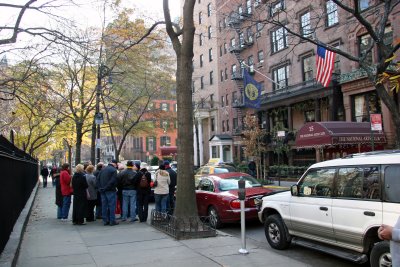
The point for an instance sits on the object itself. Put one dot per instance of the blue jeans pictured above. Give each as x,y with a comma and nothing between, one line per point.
128,198
59,212
65,207
108,202
161,202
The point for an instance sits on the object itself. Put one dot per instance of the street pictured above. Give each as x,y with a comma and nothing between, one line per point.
255,232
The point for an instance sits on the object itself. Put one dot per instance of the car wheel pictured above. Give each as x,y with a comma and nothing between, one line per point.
275,232
380,255
214,217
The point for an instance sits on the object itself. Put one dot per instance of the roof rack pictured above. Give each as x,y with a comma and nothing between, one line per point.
373,153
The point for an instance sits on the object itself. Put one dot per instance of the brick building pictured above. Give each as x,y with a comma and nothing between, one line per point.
238,38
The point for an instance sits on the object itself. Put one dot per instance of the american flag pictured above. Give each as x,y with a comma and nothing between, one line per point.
325,65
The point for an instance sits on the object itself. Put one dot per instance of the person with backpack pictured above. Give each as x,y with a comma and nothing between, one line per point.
128,180
143,194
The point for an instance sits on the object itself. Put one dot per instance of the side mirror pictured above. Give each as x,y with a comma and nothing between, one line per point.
294,189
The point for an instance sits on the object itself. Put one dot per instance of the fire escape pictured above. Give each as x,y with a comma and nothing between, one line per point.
235,22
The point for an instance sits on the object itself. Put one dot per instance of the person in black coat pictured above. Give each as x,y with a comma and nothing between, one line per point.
143,194
44,173
59,197
80,205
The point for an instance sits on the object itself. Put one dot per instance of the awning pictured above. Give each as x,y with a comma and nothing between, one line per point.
330,133
168,150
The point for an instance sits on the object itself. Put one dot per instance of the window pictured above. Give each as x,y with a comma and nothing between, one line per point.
222,75
364,105
220,26
308,63
250,63
235,98
150,143
201,39
305,24
392,179
248,6
363,4
280,76
257,3
226,101
309,115
210,57
260,56
337,58
364,45
209,30
241,39
358,182
223,126
227,125
331,13
209,9
233,42
212,101
165,141
200,17
220,51
212,124
249,34
233,71
279,39
150,106
164,124
224,23
240,11
164,106
388,37
137,143
235,124
211,77
222,101
225,48
276,7
317,183
193,87
202,82
226,73
259,27
201,60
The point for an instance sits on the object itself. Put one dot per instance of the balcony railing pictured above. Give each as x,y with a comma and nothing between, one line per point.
238,75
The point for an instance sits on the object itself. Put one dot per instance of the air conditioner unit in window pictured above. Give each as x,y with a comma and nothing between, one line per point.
260,65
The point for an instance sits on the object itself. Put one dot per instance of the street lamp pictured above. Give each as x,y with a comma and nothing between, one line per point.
103,71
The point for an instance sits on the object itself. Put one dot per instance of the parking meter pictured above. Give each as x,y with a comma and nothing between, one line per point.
242,189
242,197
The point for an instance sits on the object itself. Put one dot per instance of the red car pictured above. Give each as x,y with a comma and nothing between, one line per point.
217,197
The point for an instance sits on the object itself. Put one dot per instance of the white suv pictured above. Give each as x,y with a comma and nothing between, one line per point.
337,207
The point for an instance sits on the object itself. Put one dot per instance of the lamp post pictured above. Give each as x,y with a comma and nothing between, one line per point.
98,118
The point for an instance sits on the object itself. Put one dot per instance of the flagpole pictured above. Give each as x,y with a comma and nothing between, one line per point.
262,74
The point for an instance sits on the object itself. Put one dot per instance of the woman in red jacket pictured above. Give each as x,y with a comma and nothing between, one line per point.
66,190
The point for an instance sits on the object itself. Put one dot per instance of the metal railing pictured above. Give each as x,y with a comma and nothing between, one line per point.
20,174
182,228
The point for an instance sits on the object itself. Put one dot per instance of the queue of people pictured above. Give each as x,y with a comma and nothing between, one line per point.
94,192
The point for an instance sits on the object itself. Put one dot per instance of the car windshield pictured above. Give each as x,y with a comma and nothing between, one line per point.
232,183
224,169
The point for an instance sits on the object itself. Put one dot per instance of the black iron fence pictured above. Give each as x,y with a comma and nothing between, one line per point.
19,175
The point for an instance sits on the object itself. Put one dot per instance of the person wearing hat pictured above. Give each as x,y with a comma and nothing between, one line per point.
107,184
171,187
127,180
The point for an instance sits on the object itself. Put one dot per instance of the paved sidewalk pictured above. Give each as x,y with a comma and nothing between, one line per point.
50,242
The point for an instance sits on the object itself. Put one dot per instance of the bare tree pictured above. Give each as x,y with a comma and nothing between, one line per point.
182,42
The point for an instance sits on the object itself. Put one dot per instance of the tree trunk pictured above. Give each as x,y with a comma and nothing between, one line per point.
93,144
394,110
78,143
186,205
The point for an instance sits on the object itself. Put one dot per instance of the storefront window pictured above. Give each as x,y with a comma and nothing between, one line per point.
365,104
309,115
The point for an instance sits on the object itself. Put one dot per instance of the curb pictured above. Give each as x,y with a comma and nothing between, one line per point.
9,256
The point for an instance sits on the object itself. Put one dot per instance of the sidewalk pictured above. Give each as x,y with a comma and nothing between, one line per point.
50,242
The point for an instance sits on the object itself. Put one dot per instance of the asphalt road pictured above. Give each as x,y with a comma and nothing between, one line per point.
255,231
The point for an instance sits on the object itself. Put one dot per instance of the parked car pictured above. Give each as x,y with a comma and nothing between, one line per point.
212,169
337,207
217,197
